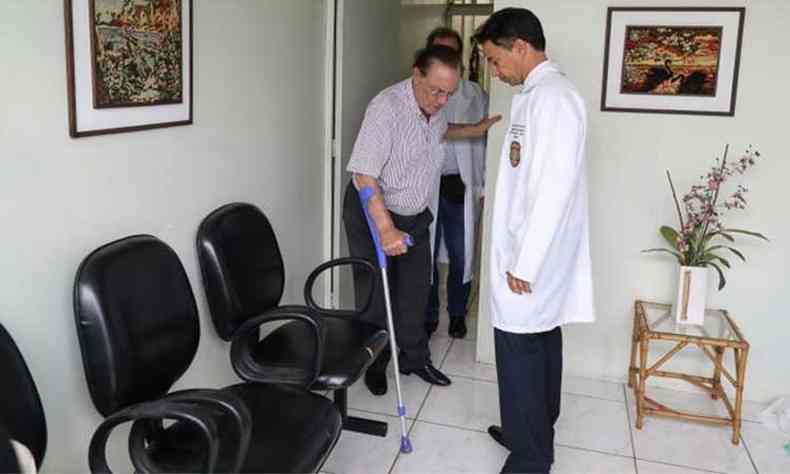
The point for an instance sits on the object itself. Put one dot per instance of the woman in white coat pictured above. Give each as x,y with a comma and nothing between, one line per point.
456,204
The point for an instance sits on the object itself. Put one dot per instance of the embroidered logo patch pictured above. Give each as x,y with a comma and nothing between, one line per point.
515,153
517,130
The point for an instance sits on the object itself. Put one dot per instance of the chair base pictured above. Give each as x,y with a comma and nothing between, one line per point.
366,426
352,423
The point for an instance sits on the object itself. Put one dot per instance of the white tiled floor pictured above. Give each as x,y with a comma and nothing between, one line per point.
595,433
461,362
363,454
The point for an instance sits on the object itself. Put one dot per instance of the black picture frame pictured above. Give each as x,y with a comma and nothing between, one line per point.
143,120
613,99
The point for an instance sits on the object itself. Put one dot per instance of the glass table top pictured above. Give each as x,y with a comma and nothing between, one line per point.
661,318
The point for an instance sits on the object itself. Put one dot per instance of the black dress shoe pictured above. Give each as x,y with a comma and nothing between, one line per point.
430,327
430,374
496,432
457,329
376,382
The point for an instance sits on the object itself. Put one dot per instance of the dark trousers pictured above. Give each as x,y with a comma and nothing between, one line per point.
409,281
529,368
450,226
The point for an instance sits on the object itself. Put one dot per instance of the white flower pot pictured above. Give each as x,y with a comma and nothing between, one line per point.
692,295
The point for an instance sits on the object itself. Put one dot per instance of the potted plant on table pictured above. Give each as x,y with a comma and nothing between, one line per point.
702,241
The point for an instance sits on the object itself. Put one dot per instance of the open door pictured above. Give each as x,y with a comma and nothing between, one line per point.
366,60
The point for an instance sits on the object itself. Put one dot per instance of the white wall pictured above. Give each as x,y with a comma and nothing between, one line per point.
257,137
367,50
416,23
370,41
629,196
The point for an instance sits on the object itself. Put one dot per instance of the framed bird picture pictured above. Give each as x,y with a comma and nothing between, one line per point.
672,60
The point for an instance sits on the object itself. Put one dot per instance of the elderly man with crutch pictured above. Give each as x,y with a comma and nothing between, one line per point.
398,154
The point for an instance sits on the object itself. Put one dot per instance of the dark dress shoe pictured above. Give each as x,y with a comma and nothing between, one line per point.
496,432
376,382
457,329
430,374
430,327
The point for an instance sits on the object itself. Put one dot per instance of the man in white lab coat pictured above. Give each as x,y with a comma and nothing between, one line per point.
540,258
456,203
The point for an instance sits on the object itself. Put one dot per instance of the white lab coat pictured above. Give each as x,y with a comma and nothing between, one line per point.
540,229
468,105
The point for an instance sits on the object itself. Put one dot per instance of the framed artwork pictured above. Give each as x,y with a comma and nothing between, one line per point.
129,65
672,60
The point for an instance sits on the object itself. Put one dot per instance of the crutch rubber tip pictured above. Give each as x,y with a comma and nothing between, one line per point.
405,445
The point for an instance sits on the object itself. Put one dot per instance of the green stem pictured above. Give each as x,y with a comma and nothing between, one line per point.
701,249
675,197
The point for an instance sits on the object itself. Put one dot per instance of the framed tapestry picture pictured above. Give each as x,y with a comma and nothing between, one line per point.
672,60
128,65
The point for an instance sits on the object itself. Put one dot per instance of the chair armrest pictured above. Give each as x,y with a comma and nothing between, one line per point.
246,338
199,416
235,443
353,261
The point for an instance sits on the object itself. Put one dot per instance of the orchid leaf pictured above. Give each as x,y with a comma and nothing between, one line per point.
747,232
722,280
725,235
670,235
736,252
675,254
719,247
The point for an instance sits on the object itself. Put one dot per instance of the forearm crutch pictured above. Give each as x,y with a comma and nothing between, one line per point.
364,195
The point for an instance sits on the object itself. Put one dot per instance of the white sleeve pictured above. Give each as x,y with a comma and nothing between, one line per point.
25,459
555,154
373,146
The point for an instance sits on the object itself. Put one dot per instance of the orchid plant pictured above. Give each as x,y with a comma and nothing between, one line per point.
702,237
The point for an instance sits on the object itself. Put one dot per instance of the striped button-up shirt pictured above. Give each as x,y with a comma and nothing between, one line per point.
402,149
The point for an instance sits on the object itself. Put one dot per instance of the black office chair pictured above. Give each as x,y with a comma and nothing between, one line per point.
22,417
21,414
244,275
138,329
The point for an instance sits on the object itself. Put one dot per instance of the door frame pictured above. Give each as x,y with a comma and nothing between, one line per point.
331,156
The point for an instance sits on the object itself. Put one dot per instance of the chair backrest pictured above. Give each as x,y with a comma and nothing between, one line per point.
136,319
21,413
241,264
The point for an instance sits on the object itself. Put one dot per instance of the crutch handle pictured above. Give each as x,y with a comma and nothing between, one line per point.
364,196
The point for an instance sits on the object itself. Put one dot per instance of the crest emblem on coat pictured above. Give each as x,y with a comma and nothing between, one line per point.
515,153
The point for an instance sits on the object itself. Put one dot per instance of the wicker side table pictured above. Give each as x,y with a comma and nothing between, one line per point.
719,334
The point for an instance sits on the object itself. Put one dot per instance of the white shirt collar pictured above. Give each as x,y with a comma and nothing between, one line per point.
538,73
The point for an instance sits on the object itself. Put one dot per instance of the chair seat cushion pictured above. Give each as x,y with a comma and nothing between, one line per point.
350,346
292,431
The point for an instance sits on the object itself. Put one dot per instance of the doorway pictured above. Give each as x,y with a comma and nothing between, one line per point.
362,63
371,52
418,19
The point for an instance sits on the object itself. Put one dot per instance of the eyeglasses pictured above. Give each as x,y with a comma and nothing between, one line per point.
436,92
